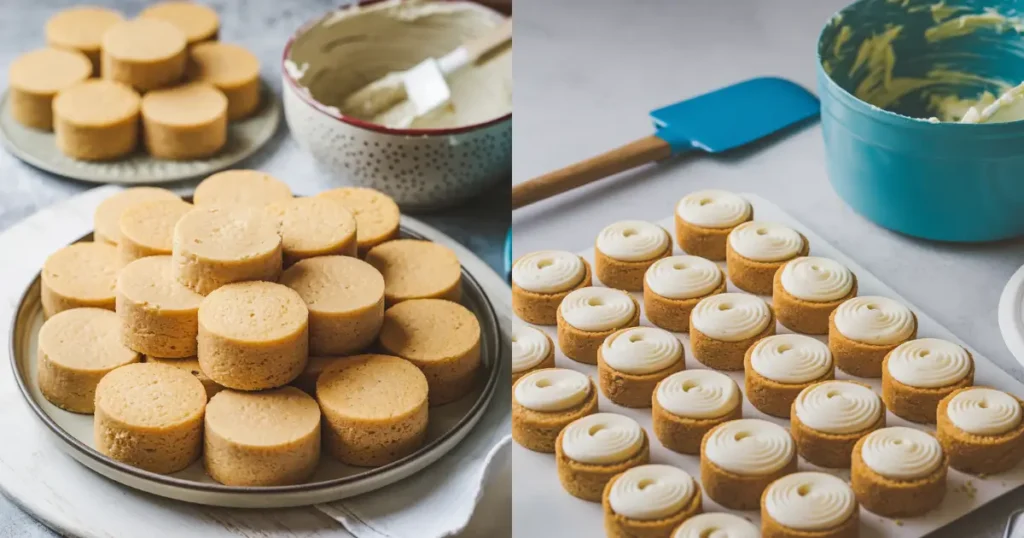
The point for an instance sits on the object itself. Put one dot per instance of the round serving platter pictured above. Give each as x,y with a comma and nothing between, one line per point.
447,425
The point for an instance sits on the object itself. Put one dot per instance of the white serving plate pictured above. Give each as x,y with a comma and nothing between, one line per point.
554,513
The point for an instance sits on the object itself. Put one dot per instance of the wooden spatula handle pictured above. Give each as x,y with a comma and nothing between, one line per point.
639,152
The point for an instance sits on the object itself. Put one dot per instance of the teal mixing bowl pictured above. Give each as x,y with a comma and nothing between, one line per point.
889,72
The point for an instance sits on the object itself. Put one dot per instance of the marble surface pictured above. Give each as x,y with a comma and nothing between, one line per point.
263,26
585,80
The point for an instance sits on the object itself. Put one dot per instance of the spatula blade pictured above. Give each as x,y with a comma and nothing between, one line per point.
733,116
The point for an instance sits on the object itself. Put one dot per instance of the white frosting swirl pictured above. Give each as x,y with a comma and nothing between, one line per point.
717,525
597,309
766,241
874,320
810,501
650,492
791,358
552,389
633,240
982,411
530,346
749,446
713,209
602,438
901,453
731,317
698,394
683,277
929,363
816,279
641,350
838,407
548,271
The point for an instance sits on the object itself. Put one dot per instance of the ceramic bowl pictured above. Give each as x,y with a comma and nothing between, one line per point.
421,169
884,68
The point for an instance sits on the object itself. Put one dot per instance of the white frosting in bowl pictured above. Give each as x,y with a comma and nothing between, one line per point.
815,279
929,363
597,309
982,411
810,501
766,241
749,446
900,453
552,390
731,317
717,525
874,320
530,347
650,492
641,350
698,394
633,240
791,358
838,407
713,209
602,438
683,277
548,271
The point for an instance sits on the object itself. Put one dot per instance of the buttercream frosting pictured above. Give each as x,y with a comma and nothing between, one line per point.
791,358
982,411
731,317
633,240
641,350
838,407
816,279
650,492
874,320
901,453
597,309
698,394
717,525
810,501
713,209
530,347
749,447
683,277
929,363
552,389
765,241
602,438
548,271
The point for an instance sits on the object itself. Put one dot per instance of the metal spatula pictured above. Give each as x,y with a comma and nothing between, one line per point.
714,122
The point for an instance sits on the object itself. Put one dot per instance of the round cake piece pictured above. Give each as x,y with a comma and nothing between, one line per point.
863,330
197,22
217,246
593,449
625,250
777,368
441,338
241,188
268,438
531,350
631,362
191,365
415,269
740,458
313,226
375,409
146,54
306,382
34,79
377,215
828,419
724,326
806,290
899,472
345,298
81,29
589,315
715,525
147,228
803,505
545,401
96,120
185,122
76,349
107,217
917,374
79,275
688,404
159,316
233,70
649,500
150,416
674,285
756,250
981,430
253,335
540,280
705,218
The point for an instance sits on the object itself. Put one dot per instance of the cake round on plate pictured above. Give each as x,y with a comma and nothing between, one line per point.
547,400
828,419
540,280
531,350
724,326
981,430
649,500
415,269
805,505
806,290
589,315
899,472
862,330
739,458
778,367
199,23
145,54
35,78
704,220
233,70
674,285
377,215
631,362
106,220
687,404
159,316
82,275
87,132
248,188
625,250
756,250
313,226
81,28
715,525
917,374
147,228
593,449
184,122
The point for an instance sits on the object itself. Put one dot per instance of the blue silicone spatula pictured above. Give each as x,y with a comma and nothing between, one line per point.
714,122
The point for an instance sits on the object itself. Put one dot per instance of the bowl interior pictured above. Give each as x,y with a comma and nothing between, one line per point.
922,58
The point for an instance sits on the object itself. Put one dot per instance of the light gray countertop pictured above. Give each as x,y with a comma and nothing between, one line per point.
587,73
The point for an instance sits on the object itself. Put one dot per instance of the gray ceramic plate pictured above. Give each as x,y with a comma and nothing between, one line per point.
38,149
448,424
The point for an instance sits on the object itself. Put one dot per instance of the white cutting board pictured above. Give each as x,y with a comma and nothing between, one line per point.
542,509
